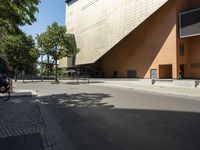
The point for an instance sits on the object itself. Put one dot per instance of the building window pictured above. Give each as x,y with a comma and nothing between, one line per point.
181,50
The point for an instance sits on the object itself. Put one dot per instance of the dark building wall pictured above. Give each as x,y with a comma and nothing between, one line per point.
191,57
194,57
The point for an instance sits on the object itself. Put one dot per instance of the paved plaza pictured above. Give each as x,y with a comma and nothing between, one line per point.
83,116
21,124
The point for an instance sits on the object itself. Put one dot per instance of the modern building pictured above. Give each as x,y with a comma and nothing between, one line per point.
135,38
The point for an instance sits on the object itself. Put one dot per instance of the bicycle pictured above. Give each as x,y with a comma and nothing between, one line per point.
4,88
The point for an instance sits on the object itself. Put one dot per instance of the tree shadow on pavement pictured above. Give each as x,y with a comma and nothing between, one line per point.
88,123
82,82
77,100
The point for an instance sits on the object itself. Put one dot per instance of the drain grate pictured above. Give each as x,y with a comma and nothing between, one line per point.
23,142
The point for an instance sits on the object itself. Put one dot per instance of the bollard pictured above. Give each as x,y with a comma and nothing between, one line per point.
153,81
196,83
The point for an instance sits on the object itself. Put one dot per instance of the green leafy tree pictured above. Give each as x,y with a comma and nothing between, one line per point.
15,13
20,51
56,43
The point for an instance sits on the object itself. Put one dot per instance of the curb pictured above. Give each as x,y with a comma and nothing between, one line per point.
153,91
19,92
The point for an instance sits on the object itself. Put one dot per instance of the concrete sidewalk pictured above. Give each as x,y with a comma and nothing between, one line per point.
169,87
164,89
22,92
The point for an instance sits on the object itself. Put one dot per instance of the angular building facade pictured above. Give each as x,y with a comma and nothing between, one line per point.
135,38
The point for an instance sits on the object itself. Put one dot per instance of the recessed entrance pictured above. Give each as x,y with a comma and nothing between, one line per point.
131,74
115,73
181,72
165,71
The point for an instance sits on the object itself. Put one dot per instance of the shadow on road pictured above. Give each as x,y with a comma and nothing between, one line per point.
88,123
77,100
82,82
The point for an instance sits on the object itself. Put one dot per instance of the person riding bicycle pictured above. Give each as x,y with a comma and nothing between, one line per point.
5,87
4,81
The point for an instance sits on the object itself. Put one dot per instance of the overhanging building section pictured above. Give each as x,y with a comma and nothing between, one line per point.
100,24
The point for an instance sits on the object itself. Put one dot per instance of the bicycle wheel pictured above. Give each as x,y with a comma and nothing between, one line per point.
4,93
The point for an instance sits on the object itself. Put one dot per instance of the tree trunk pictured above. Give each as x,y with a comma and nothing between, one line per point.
16,72
48,65
56,74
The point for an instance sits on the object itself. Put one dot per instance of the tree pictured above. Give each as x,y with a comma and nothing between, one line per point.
56,43
19,50
15,13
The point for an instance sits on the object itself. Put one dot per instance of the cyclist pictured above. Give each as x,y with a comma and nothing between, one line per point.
4,81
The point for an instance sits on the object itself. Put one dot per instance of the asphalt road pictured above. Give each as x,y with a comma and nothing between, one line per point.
88,117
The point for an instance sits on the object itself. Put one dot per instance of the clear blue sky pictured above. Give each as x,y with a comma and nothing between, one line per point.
49,11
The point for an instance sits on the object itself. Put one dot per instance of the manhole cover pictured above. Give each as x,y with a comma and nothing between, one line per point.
23,142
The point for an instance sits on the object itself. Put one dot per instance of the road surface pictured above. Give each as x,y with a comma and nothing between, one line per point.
88,117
